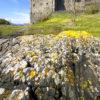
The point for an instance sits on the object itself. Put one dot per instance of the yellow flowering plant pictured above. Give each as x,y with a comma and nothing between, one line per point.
74,34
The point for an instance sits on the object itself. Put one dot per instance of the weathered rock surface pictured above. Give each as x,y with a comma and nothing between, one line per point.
49,68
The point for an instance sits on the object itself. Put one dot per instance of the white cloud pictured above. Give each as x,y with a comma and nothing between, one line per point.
19,18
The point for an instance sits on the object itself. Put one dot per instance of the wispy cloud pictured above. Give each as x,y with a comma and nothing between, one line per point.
19,18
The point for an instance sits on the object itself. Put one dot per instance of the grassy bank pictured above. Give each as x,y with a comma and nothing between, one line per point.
63,21
7,30
59,22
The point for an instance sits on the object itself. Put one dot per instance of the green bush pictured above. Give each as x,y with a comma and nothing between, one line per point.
4,22
91,8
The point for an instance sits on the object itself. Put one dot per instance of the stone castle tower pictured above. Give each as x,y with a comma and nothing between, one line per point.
41,9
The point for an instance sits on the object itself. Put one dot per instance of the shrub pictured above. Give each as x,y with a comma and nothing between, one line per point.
4,22
91,8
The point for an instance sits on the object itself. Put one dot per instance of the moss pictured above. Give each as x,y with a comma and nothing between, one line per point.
70,76
82,98
85,84
5,95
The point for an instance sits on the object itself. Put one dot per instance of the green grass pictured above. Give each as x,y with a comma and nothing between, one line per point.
7,30
63,21
58,22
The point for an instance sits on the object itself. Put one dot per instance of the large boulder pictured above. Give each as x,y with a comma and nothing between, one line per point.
62,67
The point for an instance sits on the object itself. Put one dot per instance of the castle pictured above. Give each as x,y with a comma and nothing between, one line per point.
41,9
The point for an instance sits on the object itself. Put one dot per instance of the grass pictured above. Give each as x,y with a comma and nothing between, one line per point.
7,30
60,22
63,21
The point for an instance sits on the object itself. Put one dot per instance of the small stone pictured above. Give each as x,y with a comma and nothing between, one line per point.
23,64
2,90
62,72
15,94
57,79
21,96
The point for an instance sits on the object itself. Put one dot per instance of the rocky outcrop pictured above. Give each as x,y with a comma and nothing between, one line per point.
38,67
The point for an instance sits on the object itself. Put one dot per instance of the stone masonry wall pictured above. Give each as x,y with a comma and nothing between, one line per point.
41,9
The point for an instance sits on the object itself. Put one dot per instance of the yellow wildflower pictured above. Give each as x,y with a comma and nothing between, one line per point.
74,34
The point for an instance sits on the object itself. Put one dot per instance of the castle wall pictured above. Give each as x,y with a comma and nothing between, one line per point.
41,9
70,5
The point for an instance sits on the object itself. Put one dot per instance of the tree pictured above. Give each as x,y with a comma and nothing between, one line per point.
4,22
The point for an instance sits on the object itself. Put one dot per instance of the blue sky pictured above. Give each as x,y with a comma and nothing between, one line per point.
16,11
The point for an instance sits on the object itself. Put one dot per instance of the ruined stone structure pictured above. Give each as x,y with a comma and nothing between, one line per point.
41,9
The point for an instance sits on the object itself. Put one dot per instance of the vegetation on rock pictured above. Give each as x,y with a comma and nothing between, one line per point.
63,66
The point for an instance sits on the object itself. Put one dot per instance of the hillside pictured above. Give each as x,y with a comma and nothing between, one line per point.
56,23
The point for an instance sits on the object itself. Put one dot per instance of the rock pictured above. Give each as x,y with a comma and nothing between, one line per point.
64,90
51,92
58,67
56,79
15,94
19,95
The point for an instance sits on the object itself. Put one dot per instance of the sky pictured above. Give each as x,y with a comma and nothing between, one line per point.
15,11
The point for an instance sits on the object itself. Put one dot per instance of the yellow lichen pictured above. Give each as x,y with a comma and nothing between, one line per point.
82,98
54,56
85,84
32,54
70,76
32,74
21,73
46,70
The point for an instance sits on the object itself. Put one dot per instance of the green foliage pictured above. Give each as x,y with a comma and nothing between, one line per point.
4,22
8,30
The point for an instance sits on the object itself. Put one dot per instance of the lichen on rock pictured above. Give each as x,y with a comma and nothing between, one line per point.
41,67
